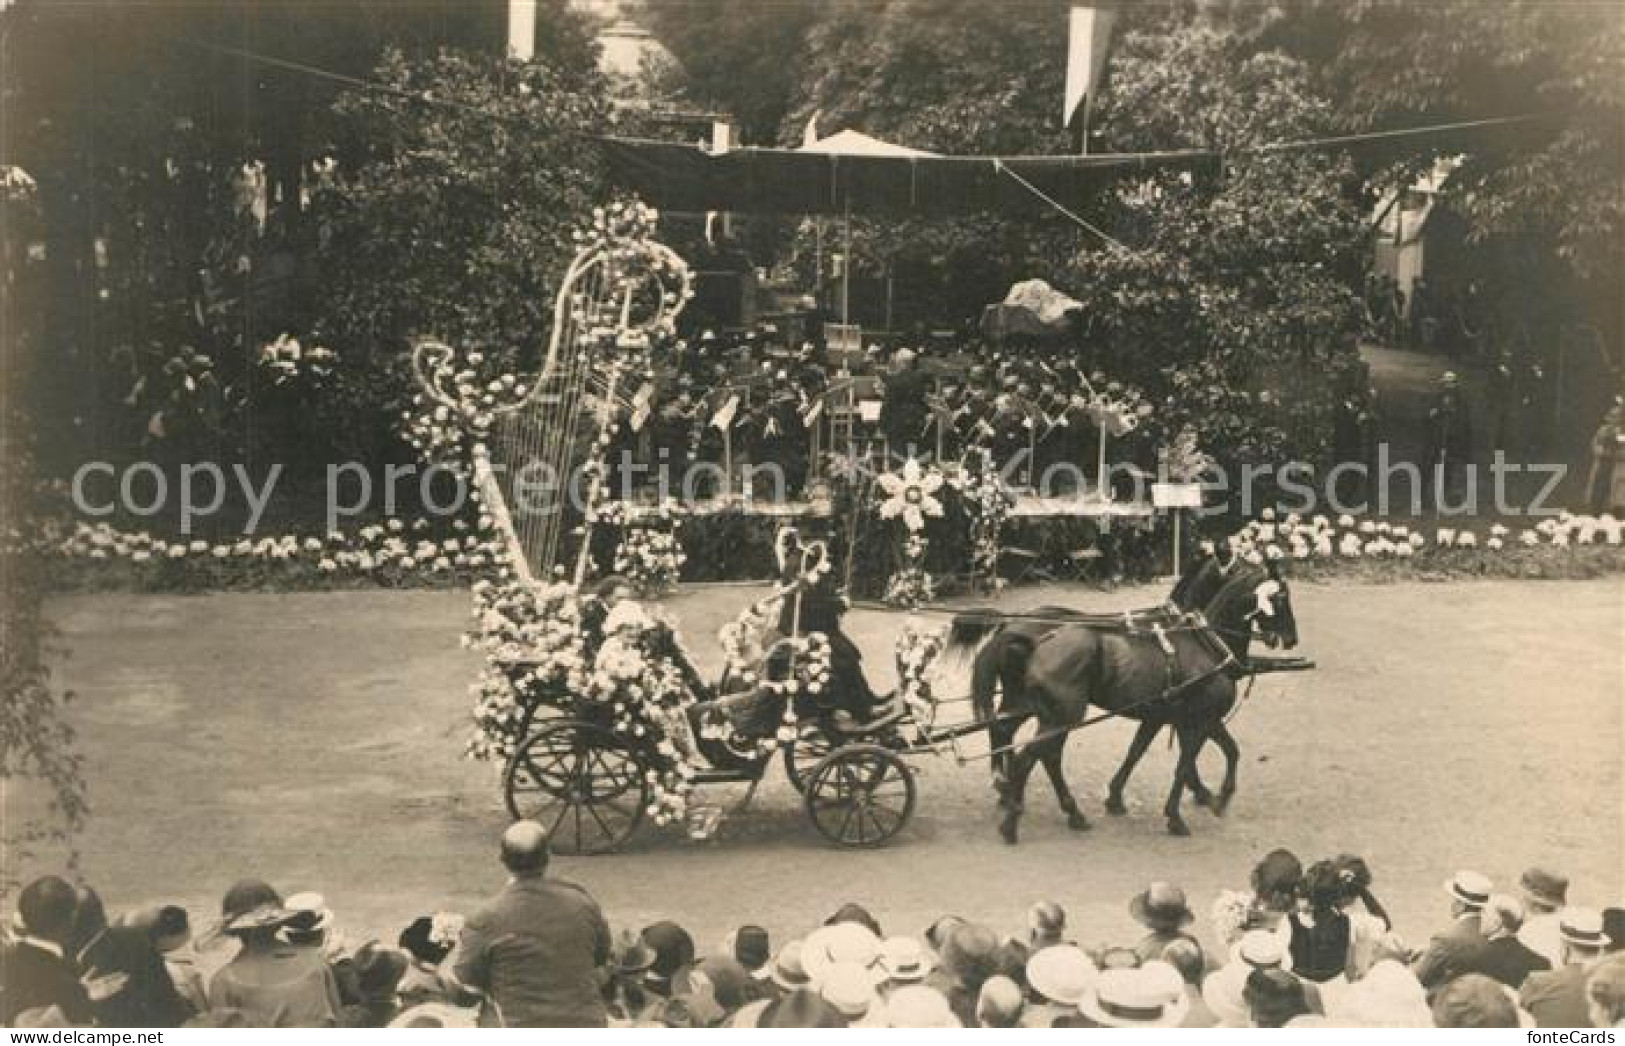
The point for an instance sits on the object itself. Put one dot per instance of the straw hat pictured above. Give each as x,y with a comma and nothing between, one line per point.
1062,974
850,988
917,1006
1470,888
841,943
1133,999
904,959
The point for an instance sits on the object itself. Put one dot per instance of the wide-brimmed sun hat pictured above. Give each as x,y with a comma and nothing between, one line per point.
1134,999
851,990
841,942
1061,974
1162,906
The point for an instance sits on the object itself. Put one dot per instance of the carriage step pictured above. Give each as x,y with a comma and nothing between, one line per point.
709,776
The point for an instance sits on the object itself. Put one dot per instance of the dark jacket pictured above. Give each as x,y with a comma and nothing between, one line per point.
1509,961
1557,998
33,978
534,953
1451,953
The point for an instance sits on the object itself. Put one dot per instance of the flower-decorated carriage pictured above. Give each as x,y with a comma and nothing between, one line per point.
604,722
638,733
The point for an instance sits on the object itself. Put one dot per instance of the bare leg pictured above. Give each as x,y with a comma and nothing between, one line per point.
1052,754
1143,737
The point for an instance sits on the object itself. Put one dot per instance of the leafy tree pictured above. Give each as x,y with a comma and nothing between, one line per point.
1232,299
452,218
742,57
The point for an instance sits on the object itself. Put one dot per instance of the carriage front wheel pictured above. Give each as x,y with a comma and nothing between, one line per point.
860,796
812,745
580,782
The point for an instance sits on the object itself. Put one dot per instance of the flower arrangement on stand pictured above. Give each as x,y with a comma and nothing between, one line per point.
650,555
917,651
988,499
909,496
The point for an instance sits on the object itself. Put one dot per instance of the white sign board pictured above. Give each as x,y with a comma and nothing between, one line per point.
1176,495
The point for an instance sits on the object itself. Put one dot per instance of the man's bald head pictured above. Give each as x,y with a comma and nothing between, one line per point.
524,848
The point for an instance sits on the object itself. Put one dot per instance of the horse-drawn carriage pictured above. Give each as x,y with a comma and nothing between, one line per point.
575,772
589,762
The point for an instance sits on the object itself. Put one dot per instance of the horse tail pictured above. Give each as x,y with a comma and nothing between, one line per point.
985,674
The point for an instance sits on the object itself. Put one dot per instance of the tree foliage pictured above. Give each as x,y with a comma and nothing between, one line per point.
741,57
1232,298
452,218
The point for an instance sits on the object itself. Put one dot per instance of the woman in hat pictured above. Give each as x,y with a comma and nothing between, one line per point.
427,942
1321,933
624,995
277,985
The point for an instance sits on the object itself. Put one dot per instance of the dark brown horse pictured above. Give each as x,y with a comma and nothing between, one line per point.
1001,663
1159,666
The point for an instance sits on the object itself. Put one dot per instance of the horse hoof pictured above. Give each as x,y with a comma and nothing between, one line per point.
1115,807
1007,832
1077,822
1177,826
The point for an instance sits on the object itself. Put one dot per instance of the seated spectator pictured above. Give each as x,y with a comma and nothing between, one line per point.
850,989
1605,993
1225,990
1139,998
1059,977
674,951
427,942
1544,894
1161,908
802,1008
787,973
275,984
1187,959
37,972
1046,926
1273,998
968,960
917,1006
1474,1001
1000,1004
378,972
1389,996
1504,957
1321,934
624,996
904,961
1557,998
752,947
1371,936
129,981
534,952
171,930
1452,951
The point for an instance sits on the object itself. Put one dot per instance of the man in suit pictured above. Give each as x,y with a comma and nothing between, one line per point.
1557,998
35,971
1545,893
1504,957
1453,950
533,954
905,410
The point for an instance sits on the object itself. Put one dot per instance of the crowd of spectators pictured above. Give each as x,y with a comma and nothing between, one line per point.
1301,946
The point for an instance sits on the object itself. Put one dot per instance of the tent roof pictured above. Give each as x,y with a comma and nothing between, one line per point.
682,177
856,143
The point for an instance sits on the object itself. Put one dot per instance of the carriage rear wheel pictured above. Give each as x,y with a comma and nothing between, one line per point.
860,796
812,744
580,782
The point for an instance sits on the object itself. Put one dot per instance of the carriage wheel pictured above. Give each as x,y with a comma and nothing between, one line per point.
579,782
860,796
812,744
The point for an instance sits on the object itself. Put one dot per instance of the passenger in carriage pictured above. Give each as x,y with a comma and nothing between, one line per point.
816,604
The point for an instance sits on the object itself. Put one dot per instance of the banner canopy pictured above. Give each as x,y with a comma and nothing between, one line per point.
680,177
